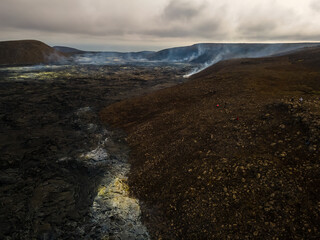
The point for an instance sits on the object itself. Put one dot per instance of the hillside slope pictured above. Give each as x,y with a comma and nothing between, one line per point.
68,50
231,154
27,52
214,52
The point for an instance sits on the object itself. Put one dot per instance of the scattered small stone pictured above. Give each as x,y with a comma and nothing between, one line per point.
283,154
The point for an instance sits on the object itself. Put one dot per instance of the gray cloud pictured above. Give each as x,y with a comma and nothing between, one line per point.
72,16
185,18
204,30
271,23
262,28
315,6
182,10
159,23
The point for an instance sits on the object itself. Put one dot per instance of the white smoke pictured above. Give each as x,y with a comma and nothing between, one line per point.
94,59
218,58
225,52
104,58
55,58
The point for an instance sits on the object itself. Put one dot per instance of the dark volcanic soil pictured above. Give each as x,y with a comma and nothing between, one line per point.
231,154
48,120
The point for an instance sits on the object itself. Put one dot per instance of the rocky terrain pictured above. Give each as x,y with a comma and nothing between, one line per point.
24,52
63,174
231,154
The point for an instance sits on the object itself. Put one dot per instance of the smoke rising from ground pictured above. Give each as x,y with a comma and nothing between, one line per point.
199,55
239,51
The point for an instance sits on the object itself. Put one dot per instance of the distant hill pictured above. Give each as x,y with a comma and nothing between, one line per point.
105,53
203,53
206,54
68,50
214,52
308,58
27,52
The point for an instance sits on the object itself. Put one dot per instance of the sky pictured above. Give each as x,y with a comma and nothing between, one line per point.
136,25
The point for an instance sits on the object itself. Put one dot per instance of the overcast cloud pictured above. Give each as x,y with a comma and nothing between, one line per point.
151,25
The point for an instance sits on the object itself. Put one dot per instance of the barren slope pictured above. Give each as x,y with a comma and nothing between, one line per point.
27,52
231,154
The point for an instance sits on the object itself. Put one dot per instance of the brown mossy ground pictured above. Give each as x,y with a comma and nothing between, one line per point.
245,169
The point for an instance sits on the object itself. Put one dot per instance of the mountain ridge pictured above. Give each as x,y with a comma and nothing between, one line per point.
36,52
